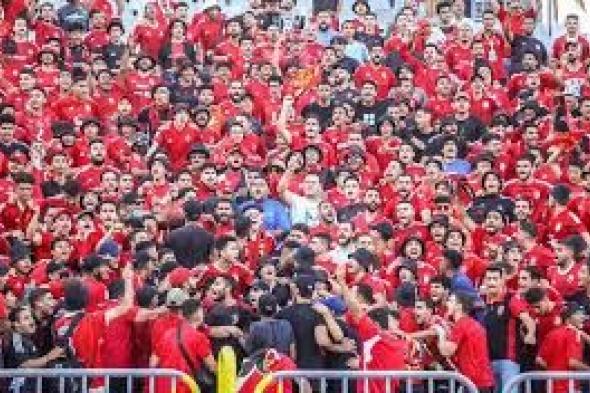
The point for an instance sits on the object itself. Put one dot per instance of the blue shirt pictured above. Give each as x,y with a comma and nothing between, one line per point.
458,167
275,214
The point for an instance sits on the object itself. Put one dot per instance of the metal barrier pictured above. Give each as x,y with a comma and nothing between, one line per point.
83,377
455,381
549,377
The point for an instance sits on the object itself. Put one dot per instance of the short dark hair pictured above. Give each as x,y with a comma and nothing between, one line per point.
454,257
190,307
75,295
222,241
534,295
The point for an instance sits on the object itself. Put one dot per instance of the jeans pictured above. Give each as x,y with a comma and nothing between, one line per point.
504,371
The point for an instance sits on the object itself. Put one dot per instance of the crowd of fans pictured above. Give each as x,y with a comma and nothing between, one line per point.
360,186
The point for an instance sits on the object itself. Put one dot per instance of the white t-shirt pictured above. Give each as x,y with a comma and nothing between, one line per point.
304,210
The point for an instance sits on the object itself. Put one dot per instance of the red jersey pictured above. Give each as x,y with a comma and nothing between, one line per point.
380,351
118,340
567,283
471,357
195,344
381,75
558,347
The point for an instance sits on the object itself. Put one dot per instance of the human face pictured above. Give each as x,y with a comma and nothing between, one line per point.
231,252
422,312
522,209
493,222
454,241
404,213
437,292
413,249
108,213
97,153
563,254
24,192
493,282
25,323
61,251
345,233
491,184
311,185
351,189
258,189
372,200
224,211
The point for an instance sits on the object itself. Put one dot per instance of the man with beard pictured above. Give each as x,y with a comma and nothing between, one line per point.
8,143
95,271
440,287
406,224
158,111
565,275
323,106
206,185
43,308
20,208
230,107
90,175
177,138
20,350
185,90
372,213
490,232
381,76
229,51
345,242
223,213
223,310
192,245
526,186
352,194
275,214
226,262
369,110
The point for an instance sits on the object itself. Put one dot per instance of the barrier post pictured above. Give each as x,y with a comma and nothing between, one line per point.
226,370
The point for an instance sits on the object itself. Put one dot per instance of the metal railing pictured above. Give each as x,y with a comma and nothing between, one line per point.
83,378
547,377
456,382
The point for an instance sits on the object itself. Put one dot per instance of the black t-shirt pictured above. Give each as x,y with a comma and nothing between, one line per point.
471,129
324,113
17,350
370,115
304,320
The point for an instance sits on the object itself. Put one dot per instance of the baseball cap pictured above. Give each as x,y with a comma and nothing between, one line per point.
176,297
179,276
109,249
336,304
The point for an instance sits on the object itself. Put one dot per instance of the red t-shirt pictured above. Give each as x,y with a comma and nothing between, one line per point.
170,356
380,351
558,347
472,357
118,340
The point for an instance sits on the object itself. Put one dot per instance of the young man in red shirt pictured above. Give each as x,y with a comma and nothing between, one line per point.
562,349
467,343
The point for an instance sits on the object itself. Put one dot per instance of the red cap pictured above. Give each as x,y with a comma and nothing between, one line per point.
179,276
